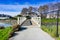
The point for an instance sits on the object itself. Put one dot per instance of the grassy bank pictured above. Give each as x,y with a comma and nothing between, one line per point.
49,20
4,33
50,28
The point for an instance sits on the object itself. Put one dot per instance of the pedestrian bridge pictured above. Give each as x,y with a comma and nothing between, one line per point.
36,20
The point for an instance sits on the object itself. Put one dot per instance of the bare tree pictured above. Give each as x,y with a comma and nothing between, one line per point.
24,11
43,10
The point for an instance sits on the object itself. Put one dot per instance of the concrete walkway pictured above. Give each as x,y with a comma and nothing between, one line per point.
32,32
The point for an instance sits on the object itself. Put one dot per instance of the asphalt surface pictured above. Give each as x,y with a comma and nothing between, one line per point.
27,23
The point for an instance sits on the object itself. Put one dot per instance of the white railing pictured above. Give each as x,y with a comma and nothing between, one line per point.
37,20
21,20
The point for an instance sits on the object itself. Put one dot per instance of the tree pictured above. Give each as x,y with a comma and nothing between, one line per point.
19,15
40,9
30,9
43,10
24,11
28,12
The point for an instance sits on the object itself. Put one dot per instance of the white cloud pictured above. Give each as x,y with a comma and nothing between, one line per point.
9,13
14,9
17,7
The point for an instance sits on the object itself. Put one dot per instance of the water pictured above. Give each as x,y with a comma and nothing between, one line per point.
5,24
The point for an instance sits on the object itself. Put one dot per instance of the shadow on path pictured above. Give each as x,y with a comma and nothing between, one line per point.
22,28
14,34
27,23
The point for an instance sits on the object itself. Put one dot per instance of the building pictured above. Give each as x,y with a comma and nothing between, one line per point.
52,11
3,16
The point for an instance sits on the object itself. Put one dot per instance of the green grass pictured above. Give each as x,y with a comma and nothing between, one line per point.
50,29
4,33
47,20
58,38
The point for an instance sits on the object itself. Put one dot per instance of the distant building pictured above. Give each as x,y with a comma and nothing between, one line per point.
52,12
51,15
3,16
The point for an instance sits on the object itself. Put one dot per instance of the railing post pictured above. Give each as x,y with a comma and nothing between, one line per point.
18,20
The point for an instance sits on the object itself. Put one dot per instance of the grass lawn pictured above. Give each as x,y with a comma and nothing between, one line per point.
4,33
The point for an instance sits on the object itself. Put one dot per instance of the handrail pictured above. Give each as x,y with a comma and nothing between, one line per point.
37,20
21,20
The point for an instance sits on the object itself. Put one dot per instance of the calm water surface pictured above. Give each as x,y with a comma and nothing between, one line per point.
5,24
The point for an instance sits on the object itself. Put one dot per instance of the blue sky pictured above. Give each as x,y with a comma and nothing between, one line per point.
14,7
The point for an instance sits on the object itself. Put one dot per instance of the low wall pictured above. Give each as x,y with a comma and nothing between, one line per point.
37,20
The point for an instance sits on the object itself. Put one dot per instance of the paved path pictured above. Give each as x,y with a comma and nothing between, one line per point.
27,23
31,33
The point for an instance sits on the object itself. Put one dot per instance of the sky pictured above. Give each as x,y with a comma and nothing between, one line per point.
14,7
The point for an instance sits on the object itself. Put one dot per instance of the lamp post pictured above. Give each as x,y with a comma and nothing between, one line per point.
57,23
